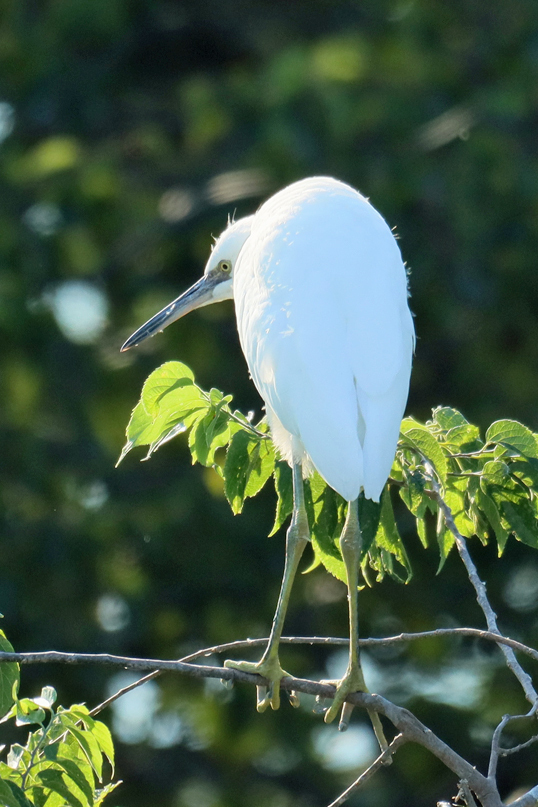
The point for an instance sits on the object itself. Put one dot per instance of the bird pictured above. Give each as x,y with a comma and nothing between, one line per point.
320,292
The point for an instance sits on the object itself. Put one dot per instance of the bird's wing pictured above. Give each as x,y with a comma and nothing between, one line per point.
318,298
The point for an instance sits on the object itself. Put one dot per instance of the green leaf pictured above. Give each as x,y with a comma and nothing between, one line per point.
423,440
29,712
9,677
455,499
464,438
284,491
209,432
49,696
88,745
103,792
448,418
490,510
74,773
169,398
522,521
327,551
249,464
446,541
55,781
388,537
12,796
171,376
527,471
102,734
16,754
514,436
495,472
369,516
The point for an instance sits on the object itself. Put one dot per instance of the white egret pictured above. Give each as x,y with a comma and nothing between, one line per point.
321,300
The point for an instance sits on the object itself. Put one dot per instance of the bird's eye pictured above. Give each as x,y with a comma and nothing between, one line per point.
225,266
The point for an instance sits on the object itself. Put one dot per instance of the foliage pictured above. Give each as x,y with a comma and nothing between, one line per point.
61,762
129,132
490,484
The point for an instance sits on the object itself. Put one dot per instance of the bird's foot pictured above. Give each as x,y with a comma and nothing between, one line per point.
270,669
353,681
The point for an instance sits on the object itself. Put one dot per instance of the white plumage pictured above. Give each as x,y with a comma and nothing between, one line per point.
320,294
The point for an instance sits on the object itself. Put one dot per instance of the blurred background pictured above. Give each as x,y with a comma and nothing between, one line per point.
130,130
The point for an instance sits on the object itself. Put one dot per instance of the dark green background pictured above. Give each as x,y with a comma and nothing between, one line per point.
119,119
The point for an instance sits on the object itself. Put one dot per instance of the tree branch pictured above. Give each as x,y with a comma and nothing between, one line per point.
480,589
384,758
403,720
529,799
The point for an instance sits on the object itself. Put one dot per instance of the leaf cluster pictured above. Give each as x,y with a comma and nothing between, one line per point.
489,484
61,762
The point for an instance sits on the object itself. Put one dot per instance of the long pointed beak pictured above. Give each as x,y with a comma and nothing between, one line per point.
198,295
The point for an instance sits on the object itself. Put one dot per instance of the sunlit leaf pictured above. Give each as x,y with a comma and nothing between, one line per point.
102,734
388,536
169,377
422,439
522,521
9,677
54,780
29,712
495,472
249,464
448,418
73,773
513,435
284,492
489,508
89,746
464,437
12,796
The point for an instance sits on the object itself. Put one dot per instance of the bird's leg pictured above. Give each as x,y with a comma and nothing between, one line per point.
297,537
353,679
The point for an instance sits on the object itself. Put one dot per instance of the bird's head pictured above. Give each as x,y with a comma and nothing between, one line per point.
215,284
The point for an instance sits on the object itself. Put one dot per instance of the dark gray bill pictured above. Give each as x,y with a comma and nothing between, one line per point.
198,295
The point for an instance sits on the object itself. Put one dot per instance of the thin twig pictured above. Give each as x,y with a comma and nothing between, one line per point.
124,691
49,656
480,589
369,772
495,748
506,752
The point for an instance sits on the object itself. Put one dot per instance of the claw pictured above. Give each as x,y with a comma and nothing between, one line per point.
345,716
227,683
353,681
269,669
262,698
294,699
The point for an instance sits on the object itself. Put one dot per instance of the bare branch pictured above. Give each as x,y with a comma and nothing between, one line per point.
472,632
383,759
49,656
506,752
495,748
404,721
529,799
480,589
124,691
497,751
